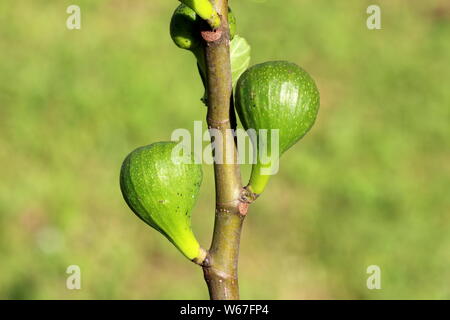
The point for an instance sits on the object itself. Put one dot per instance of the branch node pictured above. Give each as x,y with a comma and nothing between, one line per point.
211,35
200,259
212,124
247,196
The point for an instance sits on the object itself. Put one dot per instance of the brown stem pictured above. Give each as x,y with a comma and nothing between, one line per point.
221,264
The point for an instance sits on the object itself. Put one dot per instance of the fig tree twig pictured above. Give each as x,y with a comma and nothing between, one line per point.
221,264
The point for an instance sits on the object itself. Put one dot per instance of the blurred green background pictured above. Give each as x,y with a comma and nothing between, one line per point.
367,186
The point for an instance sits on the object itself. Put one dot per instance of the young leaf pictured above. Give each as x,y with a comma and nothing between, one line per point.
240,57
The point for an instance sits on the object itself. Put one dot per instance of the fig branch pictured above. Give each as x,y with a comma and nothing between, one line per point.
221,263
277,103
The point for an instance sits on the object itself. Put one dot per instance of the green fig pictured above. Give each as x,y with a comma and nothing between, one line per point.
275,95
185,27
163,192
205,10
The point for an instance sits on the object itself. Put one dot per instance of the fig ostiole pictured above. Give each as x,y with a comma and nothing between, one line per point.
275,95
162,193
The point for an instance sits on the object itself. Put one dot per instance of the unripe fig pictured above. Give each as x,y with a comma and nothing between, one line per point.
205,10
162,193
185,27
275,95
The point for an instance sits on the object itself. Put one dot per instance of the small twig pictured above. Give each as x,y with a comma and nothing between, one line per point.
221,263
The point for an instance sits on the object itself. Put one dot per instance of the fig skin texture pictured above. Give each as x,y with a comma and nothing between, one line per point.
162,193
276,95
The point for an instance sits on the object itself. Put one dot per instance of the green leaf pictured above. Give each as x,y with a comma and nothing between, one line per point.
240,57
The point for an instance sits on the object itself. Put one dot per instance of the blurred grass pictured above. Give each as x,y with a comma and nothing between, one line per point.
368,185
